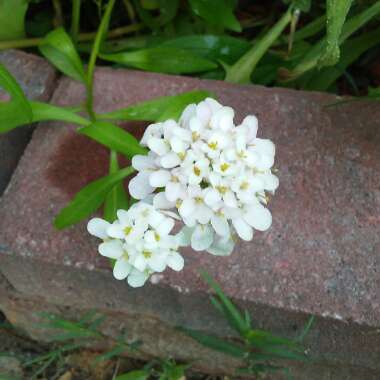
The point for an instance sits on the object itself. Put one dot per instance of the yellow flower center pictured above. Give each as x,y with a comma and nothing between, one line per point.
224,167
197,171
244,186
213,145
147,254
127,230
195,136
222,189
198,199
157,236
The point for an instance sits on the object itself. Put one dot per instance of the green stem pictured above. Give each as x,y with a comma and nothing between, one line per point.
58,18
75,17
100,35
83,37
241,71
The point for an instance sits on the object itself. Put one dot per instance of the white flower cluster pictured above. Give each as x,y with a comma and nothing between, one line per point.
214,174
205,171
140,242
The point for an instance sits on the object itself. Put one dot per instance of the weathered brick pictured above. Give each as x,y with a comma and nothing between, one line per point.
320,257
37,78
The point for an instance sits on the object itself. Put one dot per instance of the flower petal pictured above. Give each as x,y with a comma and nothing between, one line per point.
139,186
116,231
220,225
121,269
112,249
221,247
175,261
258,217
140,162
98,227
243,229
165,226
159,178
136,279
160,201
159,146
202,237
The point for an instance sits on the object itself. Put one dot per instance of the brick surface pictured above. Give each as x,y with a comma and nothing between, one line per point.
37,78
321,255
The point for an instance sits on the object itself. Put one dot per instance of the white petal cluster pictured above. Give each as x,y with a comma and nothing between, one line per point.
214,174
139,241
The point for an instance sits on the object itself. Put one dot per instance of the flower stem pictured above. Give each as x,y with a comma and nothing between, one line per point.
75,17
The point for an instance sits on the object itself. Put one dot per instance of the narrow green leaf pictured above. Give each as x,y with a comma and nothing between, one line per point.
115,352
233,315
311,59
311,29
113,137
351,50
242,70
217,12
225,48
45,112
117,197
134,375
159,109
336,16
59,49
306,329
12,15
162,60
89,199
262,339
216,343
16,111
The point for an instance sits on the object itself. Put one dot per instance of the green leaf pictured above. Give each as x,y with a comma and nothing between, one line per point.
351,50
242,70
162,60
89,199
134,375
117,198
217,12
45,112
306,329
311,59
215,343
159,109
16,111
230,311
113,137
336,15
59,49
225,48
115,352
12,15
262,339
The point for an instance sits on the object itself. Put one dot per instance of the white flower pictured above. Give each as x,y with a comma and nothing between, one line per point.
214,174
139,241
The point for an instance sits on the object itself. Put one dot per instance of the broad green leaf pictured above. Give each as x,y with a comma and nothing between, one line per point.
117,197
45,112
242,70
12,15
233,315
16,111
59,49
217,12
217,344
167,8
113,137
337,11
311,59
89,199
351,50
134,375
163,60
225,48
159,109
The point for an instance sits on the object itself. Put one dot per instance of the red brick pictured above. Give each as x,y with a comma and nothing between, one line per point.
320,257
37,78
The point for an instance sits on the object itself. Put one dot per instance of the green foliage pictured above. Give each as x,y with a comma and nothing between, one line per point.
89,199
242,70
259,349
162,59
12,15
337,11
113,137
117,198
59,49
159,109
217,12
17,110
